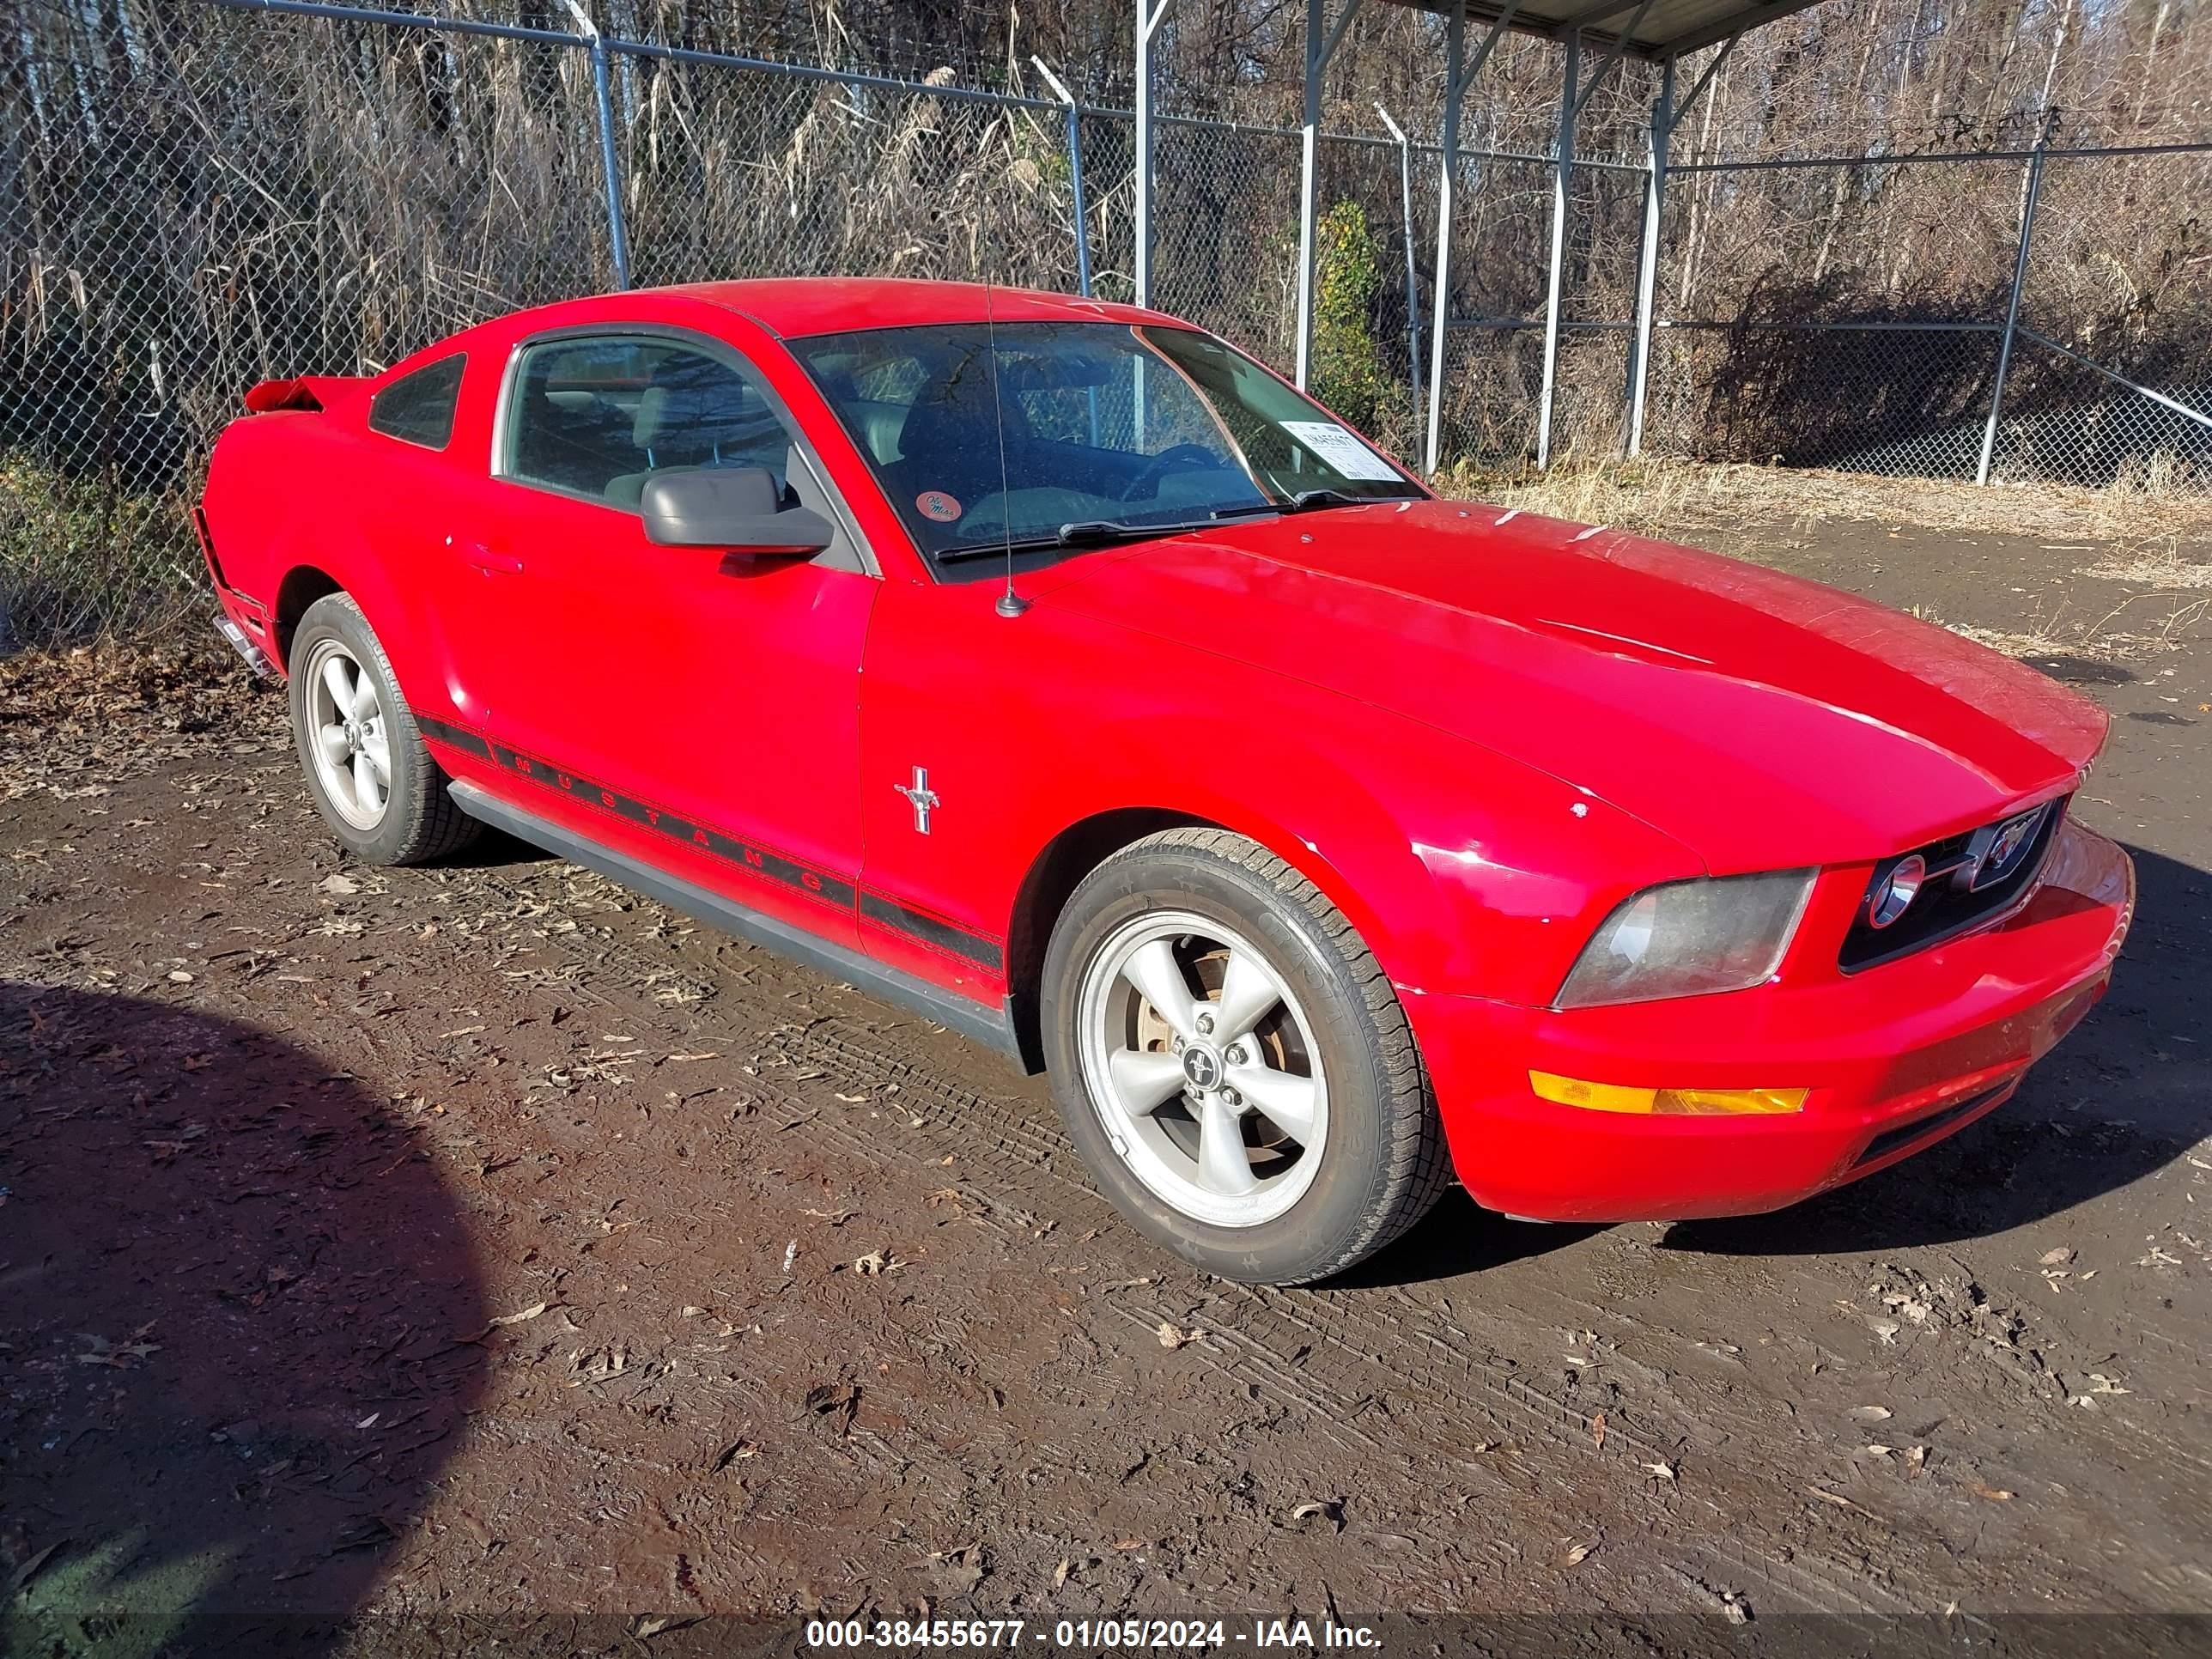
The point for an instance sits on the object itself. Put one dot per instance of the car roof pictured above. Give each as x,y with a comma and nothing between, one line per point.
794,307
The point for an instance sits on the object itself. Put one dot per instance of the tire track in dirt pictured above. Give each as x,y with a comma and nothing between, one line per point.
862,1056
1318,1350
1327,1354
1395,1380
1341,1367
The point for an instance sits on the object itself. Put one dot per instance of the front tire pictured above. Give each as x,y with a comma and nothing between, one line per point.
1232,1063
372,777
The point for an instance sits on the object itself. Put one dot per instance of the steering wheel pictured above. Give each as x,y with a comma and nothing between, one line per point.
1177,459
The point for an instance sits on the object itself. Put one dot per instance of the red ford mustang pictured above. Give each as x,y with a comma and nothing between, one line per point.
1058,670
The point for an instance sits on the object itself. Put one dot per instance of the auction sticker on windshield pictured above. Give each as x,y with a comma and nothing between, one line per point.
1341,448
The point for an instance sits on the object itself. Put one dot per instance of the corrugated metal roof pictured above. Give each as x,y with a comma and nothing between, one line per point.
1663,26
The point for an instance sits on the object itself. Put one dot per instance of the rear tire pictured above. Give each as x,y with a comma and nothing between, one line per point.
1276,1126
372,777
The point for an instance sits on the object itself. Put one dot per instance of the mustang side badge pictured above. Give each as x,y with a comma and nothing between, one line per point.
920,797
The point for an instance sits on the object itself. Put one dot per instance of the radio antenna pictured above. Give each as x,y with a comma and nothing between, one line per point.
1010,603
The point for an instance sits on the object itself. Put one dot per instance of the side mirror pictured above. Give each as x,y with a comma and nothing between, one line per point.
736,507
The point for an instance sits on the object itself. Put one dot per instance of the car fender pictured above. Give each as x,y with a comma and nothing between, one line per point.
342,554
270,513
1339,836
1462,871
271,482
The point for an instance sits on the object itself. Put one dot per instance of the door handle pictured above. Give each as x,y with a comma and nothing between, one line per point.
490,560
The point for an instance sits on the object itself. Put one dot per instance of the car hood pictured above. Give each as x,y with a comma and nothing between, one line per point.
1762,719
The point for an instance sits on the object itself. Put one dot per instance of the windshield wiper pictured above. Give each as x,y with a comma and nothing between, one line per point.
994,549
1085,532
1306,500
1111,529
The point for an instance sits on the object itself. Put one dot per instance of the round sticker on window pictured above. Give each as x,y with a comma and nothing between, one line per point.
936,504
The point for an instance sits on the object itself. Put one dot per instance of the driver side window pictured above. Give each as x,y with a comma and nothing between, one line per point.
597,418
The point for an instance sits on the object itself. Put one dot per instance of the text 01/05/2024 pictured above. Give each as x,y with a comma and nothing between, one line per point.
1085,1634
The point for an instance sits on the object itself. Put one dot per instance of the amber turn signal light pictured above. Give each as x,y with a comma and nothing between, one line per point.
1667,1102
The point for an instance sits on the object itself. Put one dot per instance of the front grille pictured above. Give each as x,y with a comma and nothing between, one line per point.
1890,1139
1946,904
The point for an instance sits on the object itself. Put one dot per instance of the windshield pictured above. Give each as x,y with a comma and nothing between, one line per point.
1106,427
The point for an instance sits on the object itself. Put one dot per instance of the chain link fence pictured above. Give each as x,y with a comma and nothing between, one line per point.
1903,399
239,195
1853,314
198,194
188,209
729,169
1225,229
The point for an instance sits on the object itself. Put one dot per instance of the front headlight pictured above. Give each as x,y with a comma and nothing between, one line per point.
1687,939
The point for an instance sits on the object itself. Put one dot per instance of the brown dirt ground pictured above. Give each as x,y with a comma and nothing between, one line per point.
487,1245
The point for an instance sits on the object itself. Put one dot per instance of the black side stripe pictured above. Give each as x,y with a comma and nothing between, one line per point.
750,856
948,937
453,737
747,855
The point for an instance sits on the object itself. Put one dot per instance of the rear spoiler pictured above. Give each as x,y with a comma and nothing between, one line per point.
308,392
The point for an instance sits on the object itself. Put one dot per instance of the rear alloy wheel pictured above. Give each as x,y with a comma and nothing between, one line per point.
1232,1063
345,720
371,775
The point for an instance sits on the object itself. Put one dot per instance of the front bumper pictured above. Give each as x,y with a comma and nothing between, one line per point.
1896,1057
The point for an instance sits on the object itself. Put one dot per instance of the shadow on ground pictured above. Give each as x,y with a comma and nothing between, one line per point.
241,1313
1459,1236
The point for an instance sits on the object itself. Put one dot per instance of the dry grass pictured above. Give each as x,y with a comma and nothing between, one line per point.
1663,497
2161,567
2157,547
2053,636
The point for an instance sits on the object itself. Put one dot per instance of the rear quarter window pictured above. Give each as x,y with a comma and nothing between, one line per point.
418,407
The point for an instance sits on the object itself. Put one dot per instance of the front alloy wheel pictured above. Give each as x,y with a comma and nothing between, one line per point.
1232,1063
1203,1069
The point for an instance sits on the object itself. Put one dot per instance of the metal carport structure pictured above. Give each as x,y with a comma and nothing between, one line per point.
1611,32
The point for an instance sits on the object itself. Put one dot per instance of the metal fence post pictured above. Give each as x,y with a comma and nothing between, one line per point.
2012,308
1459,74
1319,51
1074,177
1440,296
1647,271
1665,117
1149,15
617,231
610,166
1563,167
1309,188
1412,274
1075,200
